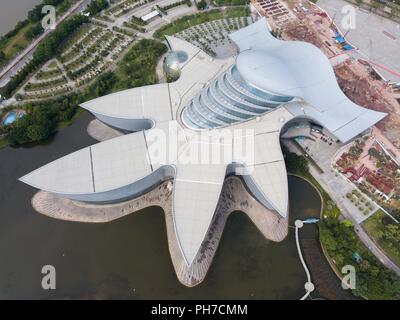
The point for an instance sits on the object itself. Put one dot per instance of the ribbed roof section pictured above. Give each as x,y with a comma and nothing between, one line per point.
228,99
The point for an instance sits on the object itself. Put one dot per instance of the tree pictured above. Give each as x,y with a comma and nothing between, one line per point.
201,5
392,234
96,6
328,240
2,57
37,132
295,163
34,31
374,4
364,265
36,14
17,133
347,223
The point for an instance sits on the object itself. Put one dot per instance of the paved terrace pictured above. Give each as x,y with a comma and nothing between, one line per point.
323,154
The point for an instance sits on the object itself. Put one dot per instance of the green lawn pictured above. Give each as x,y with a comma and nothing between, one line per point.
66,123
15,44
52,64
3,142
45,75
375,227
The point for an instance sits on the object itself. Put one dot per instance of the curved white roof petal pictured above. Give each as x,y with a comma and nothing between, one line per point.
196,193
149,102
104,166
299,69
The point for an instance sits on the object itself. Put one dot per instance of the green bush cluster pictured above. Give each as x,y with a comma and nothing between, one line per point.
43,118
41,121
373,280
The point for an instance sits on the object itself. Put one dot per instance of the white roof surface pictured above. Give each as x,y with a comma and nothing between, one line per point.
301,70
121,161
150,15
149,102
283,67
101,167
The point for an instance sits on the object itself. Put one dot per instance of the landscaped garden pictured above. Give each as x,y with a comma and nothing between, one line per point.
360,201
211,36
25,31
199,18
43,118
386,233
341,243
123,7
82,57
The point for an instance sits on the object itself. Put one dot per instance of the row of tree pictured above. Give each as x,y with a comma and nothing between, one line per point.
97,6
45,51
34,18
373,281
41,121
36,14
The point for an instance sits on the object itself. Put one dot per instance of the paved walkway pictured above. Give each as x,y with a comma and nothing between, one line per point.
101,132
323,154
309,286
363,236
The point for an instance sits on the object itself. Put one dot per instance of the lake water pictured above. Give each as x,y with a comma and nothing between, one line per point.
12,11
129,258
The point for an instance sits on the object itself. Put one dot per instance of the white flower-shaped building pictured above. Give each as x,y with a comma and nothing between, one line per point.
225,106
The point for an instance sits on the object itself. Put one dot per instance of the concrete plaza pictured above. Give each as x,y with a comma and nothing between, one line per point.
377,38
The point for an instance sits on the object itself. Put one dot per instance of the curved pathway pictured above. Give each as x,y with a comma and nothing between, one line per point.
309,286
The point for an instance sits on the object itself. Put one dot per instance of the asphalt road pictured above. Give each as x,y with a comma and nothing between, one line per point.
375,250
